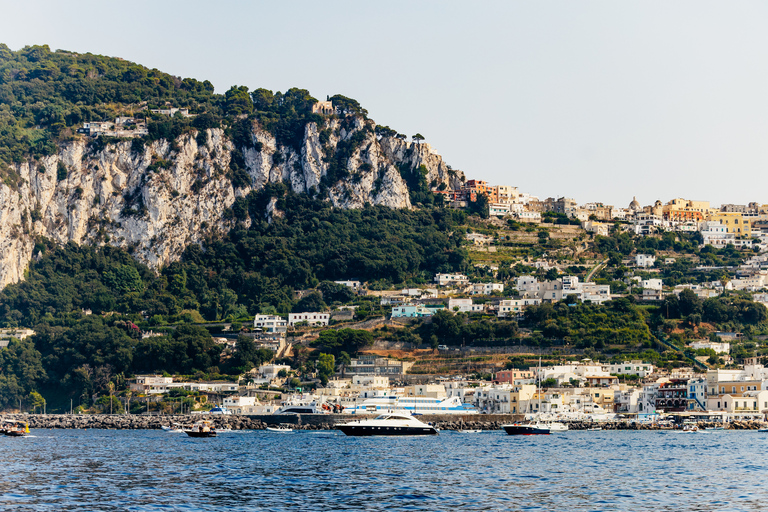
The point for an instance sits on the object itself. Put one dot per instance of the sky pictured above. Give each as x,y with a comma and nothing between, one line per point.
594,100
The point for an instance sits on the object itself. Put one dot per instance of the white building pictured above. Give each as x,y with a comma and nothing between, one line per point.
651,284
515,307
498,209
644,260
313,318
526,216
464,306
270,323
270,371
451,279
351,284
634,367
720,348
716,234
486,288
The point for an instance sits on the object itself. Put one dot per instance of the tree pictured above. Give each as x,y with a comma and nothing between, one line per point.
344,360
690,303
326,367
417,138
313,301
237,101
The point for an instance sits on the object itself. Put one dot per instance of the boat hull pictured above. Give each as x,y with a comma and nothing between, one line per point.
15,433
200,434
525,430
368,430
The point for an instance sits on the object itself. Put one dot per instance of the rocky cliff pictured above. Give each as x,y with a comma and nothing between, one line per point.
157,199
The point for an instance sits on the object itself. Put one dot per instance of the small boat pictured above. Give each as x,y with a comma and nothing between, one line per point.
534,428
201,429
690,429
281,428
762,430
220,409
15,428
388,425
594,429
176,428
714,428
469,431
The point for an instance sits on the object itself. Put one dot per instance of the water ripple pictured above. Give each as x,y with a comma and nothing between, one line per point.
577,471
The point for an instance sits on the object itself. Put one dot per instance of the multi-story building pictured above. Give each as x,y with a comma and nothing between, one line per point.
451,279
313,318
716,234
672,396
270,323
375,365
514,376
634,367
464,306
735,223
486,288
515,307
644,260
414,311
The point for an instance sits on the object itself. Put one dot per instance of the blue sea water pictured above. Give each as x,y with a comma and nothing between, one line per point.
107,470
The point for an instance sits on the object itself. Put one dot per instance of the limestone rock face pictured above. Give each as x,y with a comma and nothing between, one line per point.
157,200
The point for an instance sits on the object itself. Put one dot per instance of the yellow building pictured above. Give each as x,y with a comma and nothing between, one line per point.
735,222
686,210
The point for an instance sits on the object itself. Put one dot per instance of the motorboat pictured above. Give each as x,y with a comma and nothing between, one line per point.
173,427
201,429
390,424
220,409
533,428
15,428
281,428
469,431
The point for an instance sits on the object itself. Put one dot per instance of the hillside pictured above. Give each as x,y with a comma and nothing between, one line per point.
179,184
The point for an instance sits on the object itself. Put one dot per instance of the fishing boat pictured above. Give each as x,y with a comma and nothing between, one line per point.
201,429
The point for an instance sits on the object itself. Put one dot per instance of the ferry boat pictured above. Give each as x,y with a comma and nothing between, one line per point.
412,405
394,424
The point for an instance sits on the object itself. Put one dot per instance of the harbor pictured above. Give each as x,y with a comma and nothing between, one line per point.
328,422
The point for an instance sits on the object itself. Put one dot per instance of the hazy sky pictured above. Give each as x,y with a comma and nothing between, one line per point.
598,101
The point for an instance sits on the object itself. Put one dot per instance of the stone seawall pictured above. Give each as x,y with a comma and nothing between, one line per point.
313,421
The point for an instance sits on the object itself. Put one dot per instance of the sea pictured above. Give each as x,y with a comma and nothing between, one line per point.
112,470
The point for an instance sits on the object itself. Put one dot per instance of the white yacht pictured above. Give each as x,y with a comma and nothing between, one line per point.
392,424
303,404
412,404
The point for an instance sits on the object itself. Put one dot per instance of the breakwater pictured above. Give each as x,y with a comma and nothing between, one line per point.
318,421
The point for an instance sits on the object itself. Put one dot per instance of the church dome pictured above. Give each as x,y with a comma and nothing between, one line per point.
635,205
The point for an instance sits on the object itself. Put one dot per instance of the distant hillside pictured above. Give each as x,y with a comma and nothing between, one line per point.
178,185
